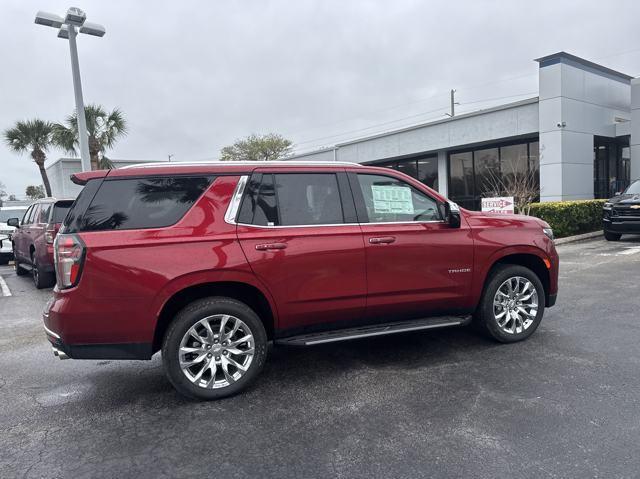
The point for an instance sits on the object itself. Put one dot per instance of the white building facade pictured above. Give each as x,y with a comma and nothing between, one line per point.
59,172
580,138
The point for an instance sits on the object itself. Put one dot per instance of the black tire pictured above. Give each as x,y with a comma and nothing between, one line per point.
41,279
485,318
612,236
20,271
191,315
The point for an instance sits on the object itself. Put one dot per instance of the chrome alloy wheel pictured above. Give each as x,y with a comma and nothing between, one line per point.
515,305
216,351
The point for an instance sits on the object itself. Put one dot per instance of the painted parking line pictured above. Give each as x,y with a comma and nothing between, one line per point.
4,288
631,250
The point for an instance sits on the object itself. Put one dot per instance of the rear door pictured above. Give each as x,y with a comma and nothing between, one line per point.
299,232
417,265
23,240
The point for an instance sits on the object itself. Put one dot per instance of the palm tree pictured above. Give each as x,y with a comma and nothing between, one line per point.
35,136
103,128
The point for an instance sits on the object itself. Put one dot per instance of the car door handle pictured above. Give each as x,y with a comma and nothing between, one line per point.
382,240
270,246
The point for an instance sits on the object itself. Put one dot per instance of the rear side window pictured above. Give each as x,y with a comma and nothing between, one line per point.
292,199
60,211
139,203
44,213
308,199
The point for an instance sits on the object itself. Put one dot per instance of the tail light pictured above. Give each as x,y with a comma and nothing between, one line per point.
50,234
69,252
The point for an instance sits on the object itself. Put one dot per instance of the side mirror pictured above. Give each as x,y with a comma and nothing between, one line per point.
452,214
15,222
618,193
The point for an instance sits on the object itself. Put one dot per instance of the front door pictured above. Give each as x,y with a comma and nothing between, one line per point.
299,234
417,265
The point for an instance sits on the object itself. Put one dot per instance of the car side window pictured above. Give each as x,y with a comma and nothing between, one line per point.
45,209
25,218
308,199
35,214
259,202
292,199
389,200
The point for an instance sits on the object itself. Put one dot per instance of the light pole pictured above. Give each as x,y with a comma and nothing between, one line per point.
68,28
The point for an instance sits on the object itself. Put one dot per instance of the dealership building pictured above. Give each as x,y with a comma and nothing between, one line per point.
578,139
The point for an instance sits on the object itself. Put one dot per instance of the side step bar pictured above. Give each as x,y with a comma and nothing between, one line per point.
374,330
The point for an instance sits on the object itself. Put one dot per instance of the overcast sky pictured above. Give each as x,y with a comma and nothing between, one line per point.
191,77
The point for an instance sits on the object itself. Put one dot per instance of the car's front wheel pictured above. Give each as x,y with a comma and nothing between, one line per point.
214,348
512,305
612,236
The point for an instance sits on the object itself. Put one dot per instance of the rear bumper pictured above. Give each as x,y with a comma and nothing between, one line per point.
631,227
65,350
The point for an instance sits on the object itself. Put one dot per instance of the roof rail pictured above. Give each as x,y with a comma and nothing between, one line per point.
239,163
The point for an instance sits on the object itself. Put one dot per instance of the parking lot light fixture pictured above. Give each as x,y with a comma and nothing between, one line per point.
68,27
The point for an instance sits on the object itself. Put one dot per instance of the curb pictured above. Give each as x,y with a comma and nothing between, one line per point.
572,239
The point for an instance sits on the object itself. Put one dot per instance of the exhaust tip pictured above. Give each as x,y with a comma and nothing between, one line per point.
60,354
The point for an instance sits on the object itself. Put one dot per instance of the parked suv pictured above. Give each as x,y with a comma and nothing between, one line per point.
210,262
621,214
33,239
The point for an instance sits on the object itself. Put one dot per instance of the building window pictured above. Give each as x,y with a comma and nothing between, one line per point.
461,184
610,166
478,173
424,169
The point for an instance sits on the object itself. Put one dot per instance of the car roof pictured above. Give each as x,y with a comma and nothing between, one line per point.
209,167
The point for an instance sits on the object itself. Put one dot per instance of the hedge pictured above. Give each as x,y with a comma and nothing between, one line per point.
568,218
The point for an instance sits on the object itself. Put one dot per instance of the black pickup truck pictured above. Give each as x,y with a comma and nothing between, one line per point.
621,214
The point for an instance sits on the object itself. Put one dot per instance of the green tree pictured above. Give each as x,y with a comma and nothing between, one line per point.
103,128
35,136
35,192
257,148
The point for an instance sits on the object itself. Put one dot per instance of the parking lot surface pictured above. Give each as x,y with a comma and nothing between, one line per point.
443,403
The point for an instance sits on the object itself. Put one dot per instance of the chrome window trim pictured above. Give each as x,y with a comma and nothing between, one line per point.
340,224
234,205
231,214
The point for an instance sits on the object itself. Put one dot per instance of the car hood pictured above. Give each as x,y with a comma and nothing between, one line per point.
506,218
625,200
5,227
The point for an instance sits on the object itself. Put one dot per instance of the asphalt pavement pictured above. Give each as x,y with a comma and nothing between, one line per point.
445,403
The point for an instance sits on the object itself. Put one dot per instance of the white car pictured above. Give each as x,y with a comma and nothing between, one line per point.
6,249
7,212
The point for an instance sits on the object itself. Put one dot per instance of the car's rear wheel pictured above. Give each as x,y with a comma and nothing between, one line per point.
612,236
512,304
41,279
214,348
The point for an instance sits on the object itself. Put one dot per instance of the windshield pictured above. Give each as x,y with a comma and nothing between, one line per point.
13,213
633,189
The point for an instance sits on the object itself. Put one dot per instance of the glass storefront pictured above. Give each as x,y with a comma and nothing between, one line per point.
480,172
424,168
611,167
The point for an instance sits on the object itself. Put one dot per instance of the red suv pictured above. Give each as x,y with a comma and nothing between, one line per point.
33,239
211,262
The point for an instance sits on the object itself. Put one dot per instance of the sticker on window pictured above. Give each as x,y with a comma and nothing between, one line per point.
392,199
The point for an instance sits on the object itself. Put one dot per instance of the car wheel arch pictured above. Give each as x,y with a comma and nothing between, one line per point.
244,292
532,259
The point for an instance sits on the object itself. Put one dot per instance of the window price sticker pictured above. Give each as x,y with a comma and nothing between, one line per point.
392,199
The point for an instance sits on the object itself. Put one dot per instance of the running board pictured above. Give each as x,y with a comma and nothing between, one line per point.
374,330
